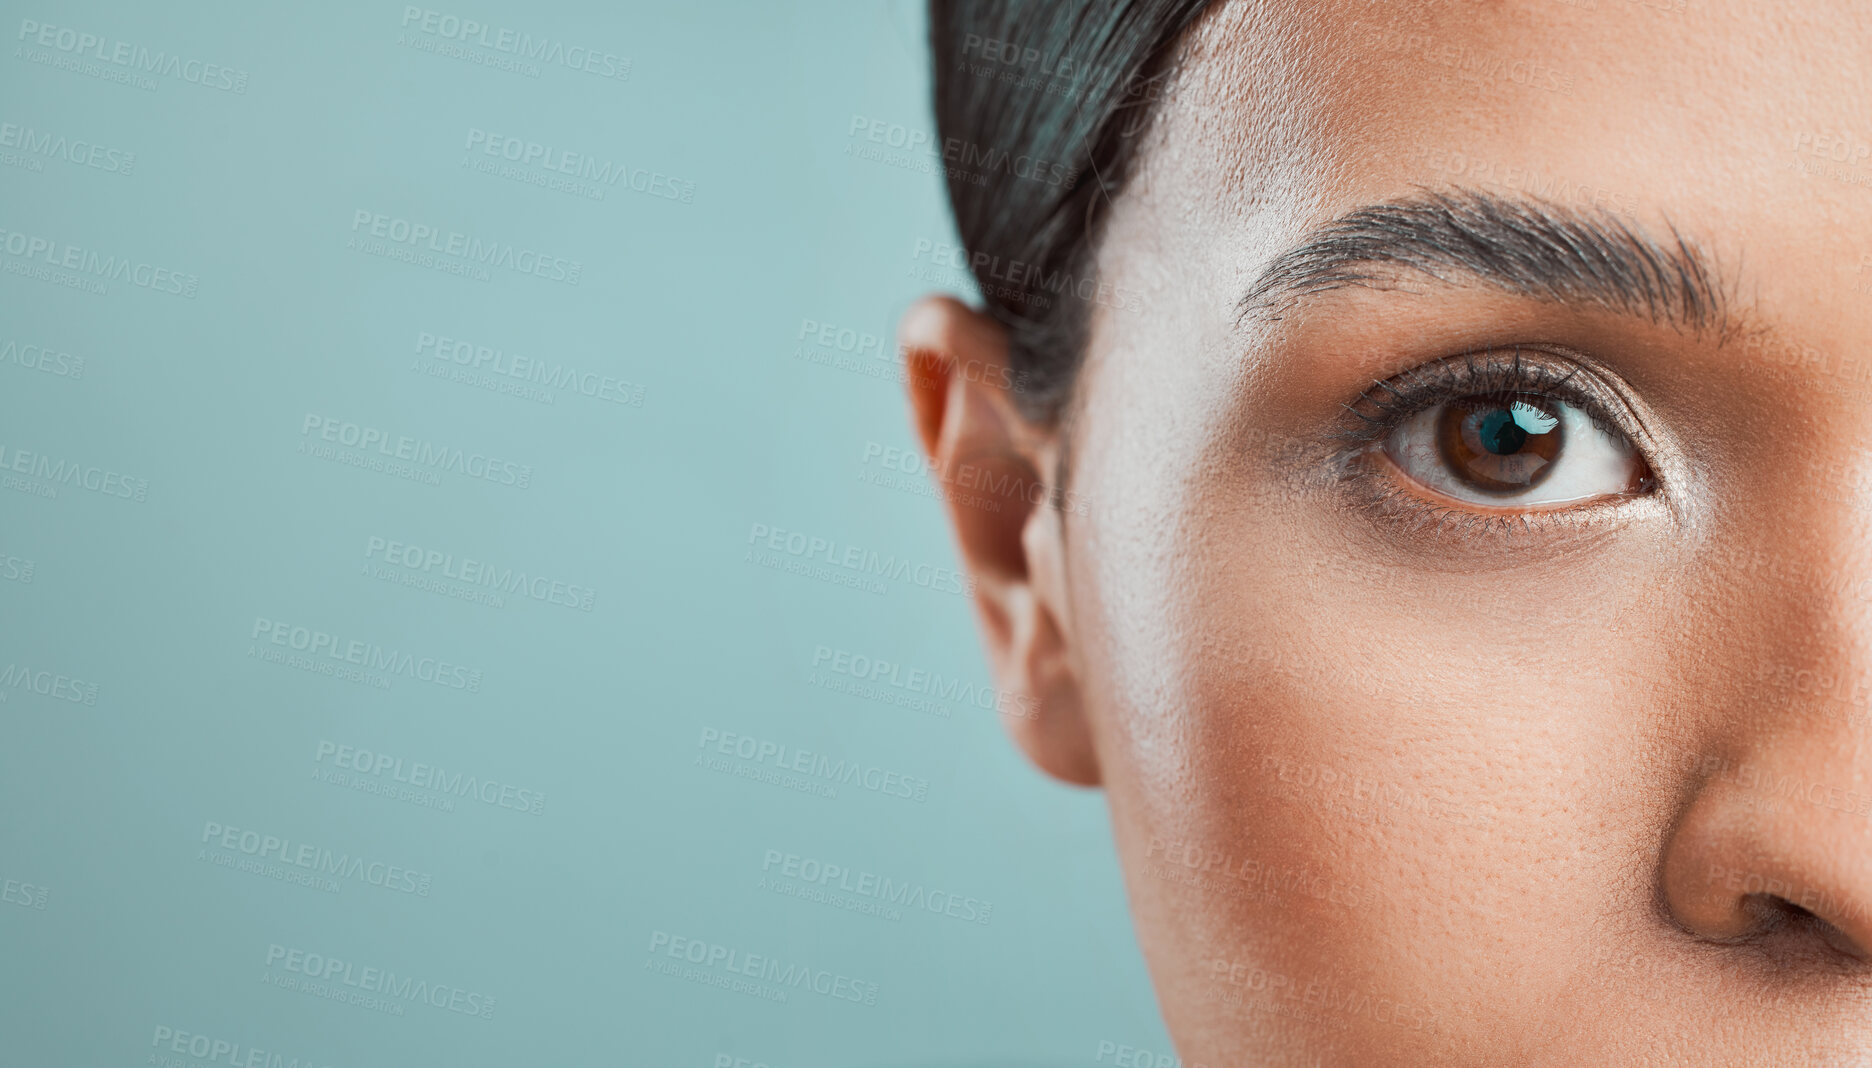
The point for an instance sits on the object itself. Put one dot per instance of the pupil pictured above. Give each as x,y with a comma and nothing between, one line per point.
1500,433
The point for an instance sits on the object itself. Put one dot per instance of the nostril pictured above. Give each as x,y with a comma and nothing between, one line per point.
1787,930
1773,913
1841,942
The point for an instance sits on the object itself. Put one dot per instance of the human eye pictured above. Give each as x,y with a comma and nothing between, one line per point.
1494,439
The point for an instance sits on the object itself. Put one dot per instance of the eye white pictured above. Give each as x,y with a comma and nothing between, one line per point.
1592,462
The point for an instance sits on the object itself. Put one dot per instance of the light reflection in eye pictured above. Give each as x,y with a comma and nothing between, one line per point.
1532,419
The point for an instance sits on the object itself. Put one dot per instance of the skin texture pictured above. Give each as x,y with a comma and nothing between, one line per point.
1591,789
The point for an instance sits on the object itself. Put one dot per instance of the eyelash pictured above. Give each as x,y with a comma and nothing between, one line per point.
1387,403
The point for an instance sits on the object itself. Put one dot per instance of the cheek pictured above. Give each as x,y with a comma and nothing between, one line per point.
1355,782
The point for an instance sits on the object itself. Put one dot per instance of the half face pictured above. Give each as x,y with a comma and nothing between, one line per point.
1471,610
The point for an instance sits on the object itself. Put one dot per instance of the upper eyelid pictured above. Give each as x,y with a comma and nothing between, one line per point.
1531,376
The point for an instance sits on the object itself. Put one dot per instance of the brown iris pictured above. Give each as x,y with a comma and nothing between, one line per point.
1499,443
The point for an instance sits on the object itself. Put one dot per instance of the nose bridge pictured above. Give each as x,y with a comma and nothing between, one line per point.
1806,590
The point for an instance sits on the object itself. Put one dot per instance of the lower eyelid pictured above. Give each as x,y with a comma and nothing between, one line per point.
1375,488
1376,455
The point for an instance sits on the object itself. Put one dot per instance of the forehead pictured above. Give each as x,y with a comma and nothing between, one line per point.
1750,128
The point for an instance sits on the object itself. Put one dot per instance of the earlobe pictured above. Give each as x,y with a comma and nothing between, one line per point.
989,459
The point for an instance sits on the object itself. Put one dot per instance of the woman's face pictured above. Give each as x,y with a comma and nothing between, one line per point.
1482,717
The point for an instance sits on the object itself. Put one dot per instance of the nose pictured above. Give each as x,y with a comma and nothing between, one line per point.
1777,840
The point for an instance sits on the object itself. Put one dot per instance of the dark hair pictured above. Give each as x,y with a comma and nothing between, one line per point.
1038,104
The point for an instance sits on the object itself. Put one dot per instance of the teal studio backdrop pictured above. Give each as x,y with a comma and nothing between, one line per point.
450,520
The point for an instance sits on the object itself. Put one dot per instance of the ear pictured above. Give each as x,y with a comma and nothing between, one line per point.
989,461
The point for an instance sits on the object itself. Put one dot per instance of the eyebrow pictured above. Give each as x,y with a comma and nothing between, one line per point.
1523,246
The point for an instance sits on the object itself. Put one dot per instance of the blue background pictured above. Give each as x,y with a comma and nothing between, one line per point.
127,919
